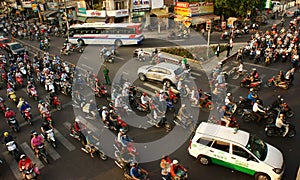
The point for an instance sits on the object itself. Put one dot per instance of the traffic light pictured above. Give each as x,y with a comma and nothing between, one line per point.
208,25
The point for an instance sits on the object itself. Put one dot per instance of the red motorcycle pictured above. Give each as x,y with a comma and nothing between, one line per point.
246,82
131,149
122,124
56,103
47,116
33,93
4,76
172,96
19,80
27,115
233,123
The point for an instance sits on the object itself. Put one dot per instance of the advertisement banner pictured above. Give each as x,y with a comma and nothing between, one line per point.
34,7
141,5
206,8
182,11
120,13
26,4
194,9
157,4
52,6
182,4
95,13
81,6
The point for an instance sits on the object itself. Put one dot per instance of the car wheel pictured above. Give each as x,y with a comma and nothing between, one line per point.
261,176
204,160
142,77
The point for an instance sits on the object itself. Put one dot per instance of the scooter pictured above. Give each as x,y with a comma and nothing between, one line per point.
42,153
33,93
255,84
273,130
19,81
142,107
29,173
273,81
184,123
50,137
161,122
243,103
97,151
28,116
13,124
269,117
55,102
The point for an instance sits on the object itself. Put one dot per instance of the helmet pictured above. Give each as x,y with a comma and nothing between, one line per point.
35,133
28,82
175,161
258,101
40,101
77,120
228,94
161,91
45,123
279,96
251,89
133,163
254,69
144,94
21,99
32,131
5,134
7,109
122,130
104,107
111,111
183,105
23,156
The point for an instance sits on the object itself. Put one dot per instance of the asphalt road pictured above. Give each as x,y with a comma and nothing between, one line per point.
72,163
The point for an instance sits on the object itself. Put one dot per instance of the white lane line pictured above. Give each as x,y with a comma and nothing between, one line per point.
86,66
29,152
13,165
146,91
152,86
52,152
64,140
118,57
39,117
261,66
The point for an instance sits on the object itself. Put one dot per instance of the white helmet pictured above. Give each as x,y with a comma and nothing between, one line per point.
228,94
175,161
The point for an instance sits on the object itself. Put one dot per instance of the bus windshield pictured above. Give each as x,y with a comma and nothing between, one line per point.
257,146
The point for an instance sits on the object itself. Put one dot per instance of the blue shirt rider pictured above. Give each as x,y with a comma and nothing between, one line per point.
252,96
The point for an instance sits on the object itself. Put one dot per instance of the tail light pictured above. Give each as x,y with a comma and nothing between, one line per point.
190,144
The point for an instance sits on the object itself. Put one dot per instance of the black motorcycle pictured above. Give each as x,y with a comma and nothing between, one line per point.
273,130
269,117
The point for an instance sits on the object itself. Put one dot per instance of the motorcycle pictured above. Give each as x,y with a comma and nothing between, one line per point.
160,122
233,71
42,153
50,137
255,84
13,124
184,123
269,117
97,151
142,107
33,93
76,48
47,117
55,102
65,52
243,103
131,149
108,57
2,107
13,150
19,81
273,130
29,173
284,85
28,115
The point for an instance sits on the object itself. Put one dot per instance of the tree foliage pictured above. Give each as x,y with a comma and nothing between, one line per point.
238,7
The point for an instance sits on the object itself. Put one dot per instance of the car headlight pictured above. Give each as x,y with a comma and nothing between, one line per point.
277,170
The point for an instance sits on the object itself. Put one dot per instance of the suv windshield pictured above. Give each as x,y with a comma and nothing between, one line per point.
16,46
178,71
257,146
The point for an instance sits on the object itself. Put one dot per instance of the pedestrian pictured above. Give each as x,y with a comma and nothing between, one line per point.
231,43
106,75
228,49
218,50
202,31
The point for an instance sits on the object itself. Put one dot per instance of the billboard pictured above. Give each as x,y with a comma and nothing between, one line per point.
140,5
157,4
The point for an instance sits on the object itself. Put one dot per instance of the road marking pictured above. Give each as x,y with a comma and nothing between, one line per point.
52,152
261,66
146,91
196,74
39,117
118,57
29,152
86,66
152,87
225,68
64,140
13,165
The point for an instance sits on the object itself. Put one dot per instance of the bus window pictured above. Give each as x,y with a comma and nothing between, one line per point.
71,32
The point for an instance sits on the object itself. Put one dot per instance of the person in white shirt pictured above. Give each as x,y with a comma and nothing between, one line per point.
257,110
240,68
144,99
104,113
280,124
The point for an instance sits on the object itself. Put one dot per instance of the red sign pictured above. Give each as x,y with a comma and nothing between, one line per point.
182,4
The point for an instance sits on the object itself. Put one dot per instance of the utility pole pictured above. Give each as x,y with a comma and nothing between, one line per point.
208,28
67,19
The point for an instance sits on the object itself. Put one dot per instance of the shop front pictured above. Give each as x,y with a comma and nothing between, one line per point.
140,12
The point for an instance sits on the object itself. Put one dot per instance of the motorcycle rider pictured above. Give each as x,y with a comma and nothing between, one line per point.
183,115
254,75
257,110
136,172
9,91
51,97
175,169
123,138
23,106
28,87
7,138
140,53
281,125
25,163
240,68
145,100
9,114
225,115
165,164
36,141
45,127
252,96
229,101
277,102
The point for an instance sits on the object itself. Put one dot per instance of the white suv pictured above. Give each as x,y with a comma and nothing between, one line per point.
163,72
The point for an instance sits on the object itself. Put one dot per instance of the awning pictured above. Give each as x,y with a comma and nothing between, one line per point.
204,18
182,18
162,13
82,19
48,13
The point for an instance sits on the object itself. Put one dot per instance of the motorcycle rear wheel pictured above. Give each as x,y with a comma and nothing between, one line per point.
290,113
247,118
102,155
291,133
269,133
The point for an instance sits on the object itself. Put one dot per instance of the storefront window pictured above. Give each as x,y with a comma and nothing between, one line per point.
119,5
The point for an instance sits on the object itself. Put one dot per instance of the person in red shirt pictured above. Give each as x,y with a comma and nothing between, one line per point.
25,163
176,170
9,114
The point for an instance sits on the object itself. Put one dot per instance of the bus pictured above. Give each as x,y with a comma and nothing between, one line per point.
106,33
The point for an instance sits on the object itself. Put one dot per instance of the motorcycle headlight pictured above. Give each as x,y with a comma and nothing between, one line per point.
277,170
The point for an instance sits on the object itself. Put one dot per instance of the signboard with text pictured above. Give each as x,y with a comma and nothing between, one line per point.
52,5
81,7
157,4
140,5
194,8
206,8
26,4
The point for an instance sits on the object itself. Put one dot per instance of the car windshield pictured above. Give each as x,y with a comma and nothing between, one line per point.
5,41
258,147
178,71
16,46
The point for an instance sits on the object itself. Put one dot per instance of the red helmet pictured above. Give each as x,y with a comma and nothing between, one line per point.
144,94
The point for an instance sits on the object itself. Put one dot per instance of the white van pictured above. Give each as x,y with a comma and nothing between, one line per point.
238,150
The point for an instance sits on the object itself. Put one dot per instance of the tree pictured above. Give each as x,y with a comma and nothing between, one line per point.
238,7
